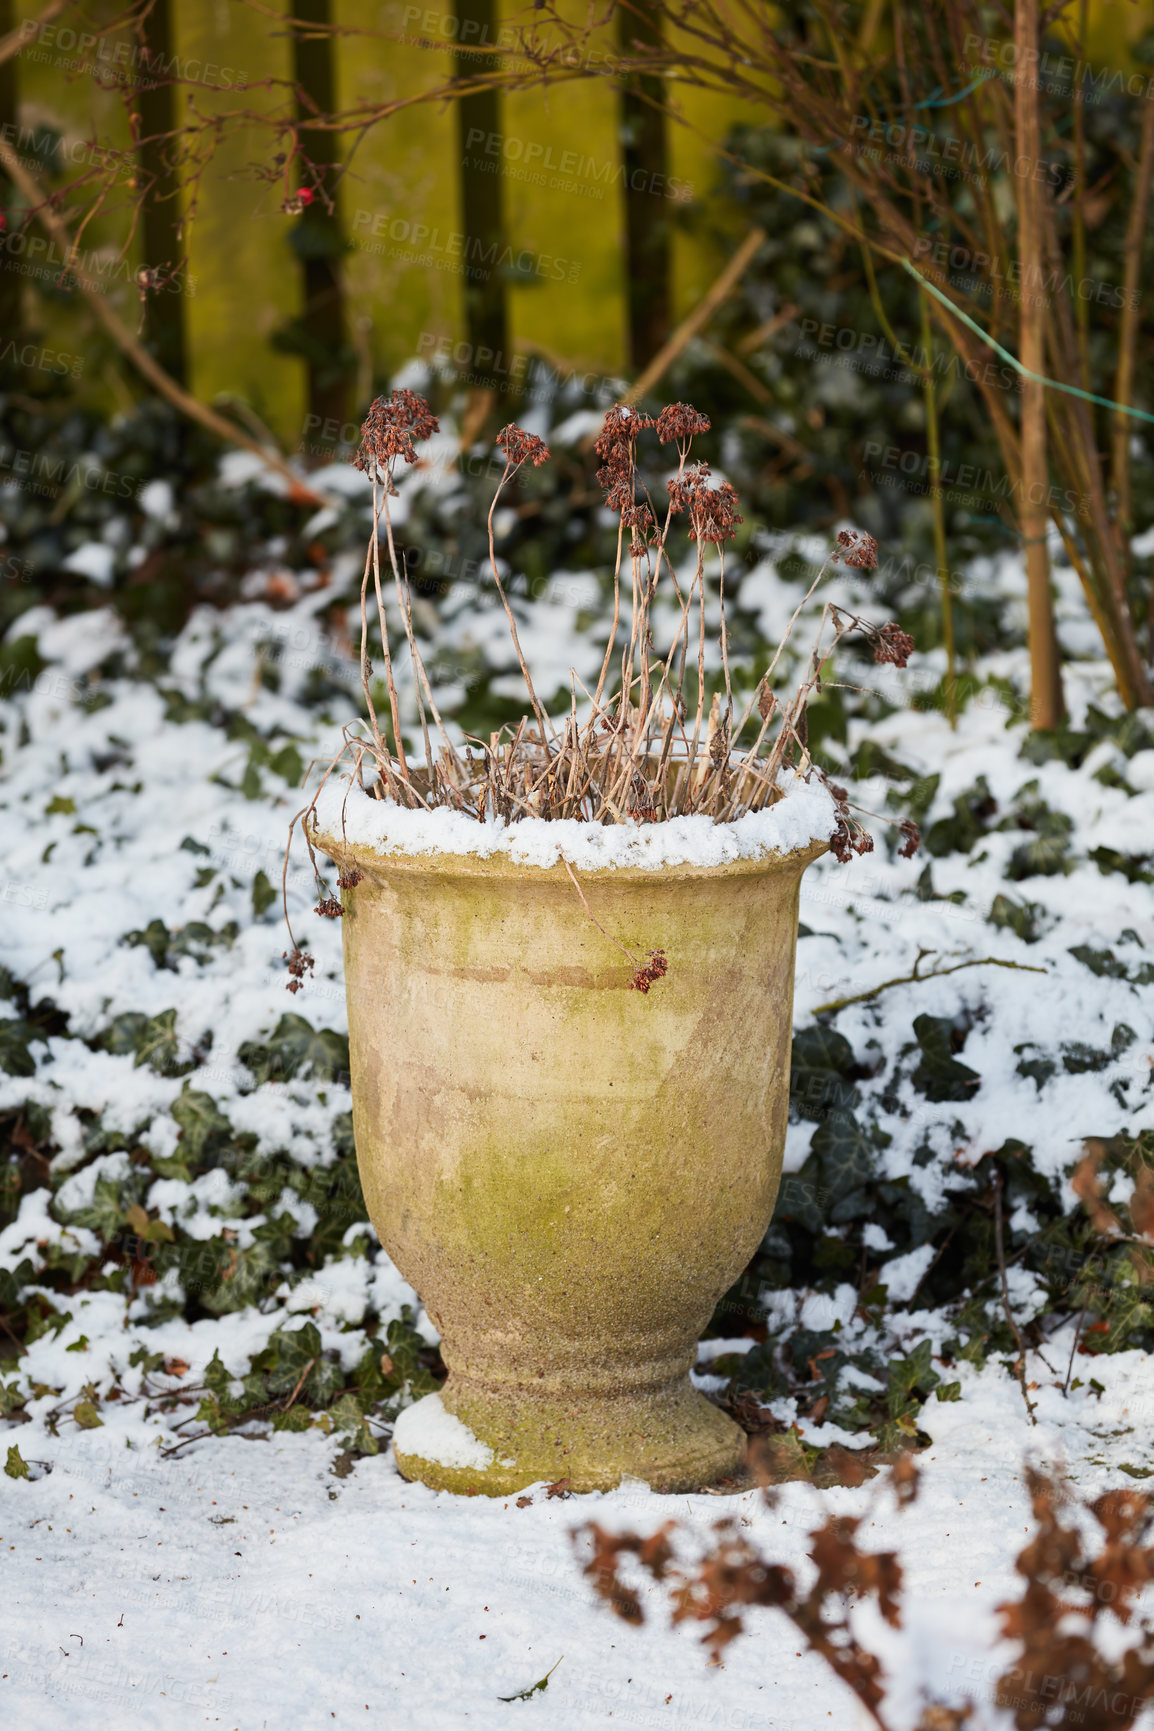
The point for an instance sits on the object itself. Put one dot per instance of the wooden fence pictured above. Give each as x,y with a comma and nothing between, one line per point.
412,208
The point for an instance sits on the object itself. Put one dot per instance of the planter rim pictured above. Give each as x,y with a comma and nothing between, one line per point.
345,817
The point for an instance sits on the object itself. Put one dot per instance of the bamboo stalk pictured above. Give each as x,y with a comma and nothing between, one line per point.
1046,705
938,508
697,319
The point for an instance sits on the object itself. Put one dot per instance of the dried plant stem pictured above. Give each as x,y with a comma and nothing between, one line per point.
404,602
1014,1329
543,724
394,706
595,920
616,617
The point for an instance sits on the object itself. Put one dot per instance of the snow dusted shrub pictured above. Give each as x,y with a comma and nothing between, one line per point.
1072,1665
646,744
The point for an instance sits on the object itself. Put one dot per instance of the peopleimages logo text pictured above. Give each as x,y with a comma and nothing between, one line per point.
456,251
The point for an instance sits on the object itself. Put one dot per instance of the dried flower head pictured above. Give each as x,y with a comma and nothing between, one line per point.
893,645
712,510
350,877
716,517
911,838
329,908
617,447
390,429
645,977
849,837
680,422
620,429
859,548
522,447
300,964
840,842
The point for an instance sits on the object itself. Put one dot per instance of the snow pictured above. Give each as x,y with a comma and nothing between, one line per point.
94,559
155,1564
426,1430
901,1274
804,814
156,499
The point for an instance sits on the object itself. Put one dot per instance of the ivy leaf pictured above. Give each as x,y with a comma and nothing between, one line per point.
939,1076
909,1378
104,1215
969,822
158,1045
238,1277
350,1423
151,1040
843,1152
203,1126
16,1466
1104,963
1021,918
294,1047
263,894
288,763
801,1198
15,1037
154,938
155,1231
86,1415
296,1359
821,1067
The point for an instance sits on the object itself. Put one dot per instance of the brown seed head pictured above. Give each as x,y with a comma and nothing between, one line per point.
300,963
911,838
859,548
645,977
893,645
680,421
522,447
390,429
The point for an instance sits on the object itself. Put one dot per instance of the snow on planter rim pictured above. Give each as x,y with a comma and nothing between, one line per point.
804,814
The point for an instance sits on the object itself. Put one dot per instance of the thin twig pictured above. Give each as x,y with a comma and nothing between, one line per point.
1014,1329
916,977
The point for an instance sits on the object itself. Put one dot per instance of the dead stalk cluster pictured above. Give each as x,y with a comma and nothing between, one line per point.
647,743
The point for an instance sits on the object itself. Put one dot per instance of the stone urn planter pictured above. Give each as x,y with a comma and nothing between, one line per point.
570,1172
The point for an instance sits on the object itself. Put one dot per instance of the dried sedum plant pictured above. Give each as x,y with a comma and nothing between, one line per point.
641,747
1071,1665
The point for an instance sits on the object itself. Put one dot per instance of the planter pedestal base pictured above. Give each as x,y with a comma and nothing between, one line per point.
671,1438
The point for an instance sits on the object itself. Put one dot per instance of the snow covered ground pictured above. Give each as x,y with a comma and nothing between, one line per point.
144,820
226,1586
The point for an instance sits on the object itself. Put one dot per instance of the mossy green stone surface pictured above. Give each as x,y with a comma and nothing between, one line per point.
571,1173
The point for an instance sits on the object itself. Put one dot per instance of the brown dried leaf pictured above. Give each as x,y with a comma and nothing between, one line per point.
778,1460
1088,1189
